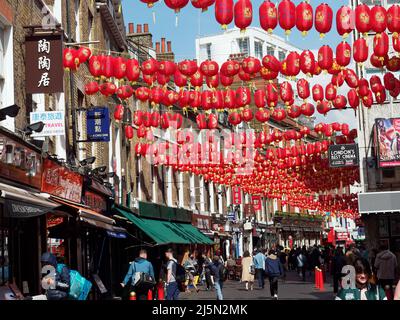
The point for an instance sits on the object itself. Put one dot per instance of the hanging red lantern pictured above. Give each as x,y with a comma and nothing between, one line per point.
201,121
156,96
247,115
323,19
345,129
184,99
345,21
243,97
303,89
243,14
340,102
150,3
393,64
381,45
262,115
360,50
378,19
155,119
307,109
260,98
268,74
294,112
170,98
95,63
286,92
224,12
180,79
202,4
226,81
234,118
351,78
132,70
218,100
396,42
212,121
162,79
393,20
362,13
70,59
379,62
187,67
271,63
305,131
129,132
108,89
209,68
125,92
138,118
84,54
278,115
354,100
251,65
343,54
230,99
368,100
307,62
330,92
119,113
119,65
92,88
363,87
337,79
287,15
166,67
293,64
318,93
268,14
150,66
325,57
389,81
323,107
207,100
143,94
212,82
271,91
176,5
230,68
195,100
304,17
197,80
146,116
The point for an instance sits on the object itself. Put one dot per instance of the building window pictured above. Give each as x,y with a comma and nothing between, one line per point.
205,52
270,50
208,48
282,55
258,50
77,22
90,26
244,46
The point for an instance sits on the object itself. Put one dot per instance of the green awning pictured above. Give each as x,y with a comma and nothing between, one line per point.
166,232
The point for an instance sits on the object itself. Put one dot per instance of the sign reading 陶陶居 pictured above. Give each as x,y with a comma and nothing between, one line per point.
343,155
388,142
43,64
54,123
98,124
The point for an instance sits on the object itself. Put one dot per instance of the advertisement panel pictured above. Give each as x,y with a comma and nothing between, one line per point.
237,195
54,123
256,200
388,142
343,155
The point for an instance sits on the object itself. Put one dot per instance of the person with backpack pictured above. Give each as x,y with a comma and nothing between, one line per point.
141,276
274,270
56,288
176,276
302,263
218,272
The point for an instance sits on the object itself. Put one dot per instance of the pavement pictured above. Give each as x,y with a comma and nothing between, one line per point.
291,288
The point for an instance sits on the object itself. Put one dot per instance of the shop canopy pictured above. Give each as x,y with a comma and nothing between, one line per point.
166,232
20,203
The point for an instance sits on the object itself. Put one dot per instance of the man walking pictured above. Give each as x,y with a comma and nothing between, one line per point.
140,265
386,264
172,284
274,270
259,265
217,271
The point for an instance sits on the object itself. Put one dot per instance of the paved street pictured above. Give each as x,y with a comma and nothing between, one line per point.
290,289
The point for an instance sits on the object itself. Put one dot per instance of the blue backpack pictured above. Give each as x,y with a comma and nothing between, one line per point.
79,287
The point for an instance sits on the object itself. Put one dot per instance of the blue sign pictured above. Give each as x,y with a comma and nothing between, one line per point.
98,124
231,216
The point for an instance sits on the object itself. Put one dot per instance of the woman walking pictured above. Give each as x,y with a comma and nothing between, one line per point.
248,270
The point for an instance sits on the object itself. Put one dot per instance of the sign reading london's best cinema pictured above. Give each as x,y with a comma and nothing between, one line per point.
343,155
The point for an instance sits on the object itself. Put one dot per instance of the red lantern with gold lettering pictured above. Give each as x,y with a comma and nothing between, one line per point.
278,114
202,4
180,79
344,21
360,50
323,107
318,93
271,91
286,92
71,59
230,68
293,64
323,19
343,54
325,57
307,109
340,102
187,67
243,14
119,112
307,62
330,92
92,88
378,19
393,20
84,54
226,81
294,112
381,45
304,17
260,99
354,100
150,66
268,14
132,70
230,99
287,15
362,13
95,66
129,132
176,5
251,65
209,68
271,63
150,3
224,12
303,89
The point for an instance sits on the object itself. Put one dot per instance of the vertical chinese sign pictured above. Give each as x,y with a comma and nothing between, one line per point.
44,66
98,124
237,195
256,201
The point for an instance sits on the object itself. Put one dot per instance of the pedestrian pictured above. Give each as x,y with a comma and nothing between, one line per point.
171,281
259,265
302,263
338,263
207,271
217,271
386,264
248,270
133,277
364,290
56,288
191,268
274,270
283,257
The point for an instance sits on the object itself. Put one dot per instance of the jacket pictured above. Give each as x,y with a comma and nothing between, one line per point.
273,267
373,293
139,265
338,263
386,264
259,261
216,269
63,280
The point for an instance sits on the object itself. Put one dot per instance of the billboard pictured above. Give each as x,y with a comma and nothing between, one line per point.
54,123
343,155
388,142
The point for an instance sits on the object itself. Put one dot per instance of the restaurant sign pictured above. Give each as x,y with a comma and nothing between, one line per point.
237,195
95,202
44,65
98,124
343,155
61,182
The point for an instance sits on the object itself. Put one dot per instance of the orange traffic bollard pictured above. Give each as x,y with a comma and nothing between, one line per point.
132,296
150,295
160,292
316,278
321,281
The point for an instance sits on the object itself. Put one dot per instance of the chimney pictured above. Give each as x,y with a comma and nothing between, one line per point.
169,47
146,28
131,28
162,45
139,28
157,47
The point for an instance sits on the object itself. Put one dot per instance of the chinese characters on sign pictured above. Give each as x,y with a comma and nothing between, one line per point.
237,195
256,200
54,123
98,124
43,67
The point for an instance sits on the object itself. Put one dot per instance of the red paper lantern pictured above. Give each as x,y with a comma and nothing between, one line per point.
247,115
156,95
294,111
393,64
230,68
92,88
150,66
129,132
234,118
224,12
303,89
268,14
218,100
393,20
345,21
243,14
323,19
354,100
108,89
396,42
307,109
209,68
330,92
132,70
202,4
162,79
187,67
243,97
212,82
278,115
271,63
378,19
170,98
323,107
260,98
286,92
207,100
95,63
70,59
362,13
212,121
360,50
150,3
271,91
293,64
343,54
307,62
381,45
180,79
262,115
119,67
176,5
167,68
155,119
230,99
119,113
287,15
325,57
351,78
125,92
389,81
143,94
251,65
268,74
304,17
340,102
226,81
318,93
201,121
84,54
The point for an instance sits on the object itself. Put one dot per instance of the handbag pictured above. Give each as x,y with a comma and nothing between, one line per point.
143,280
252,270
